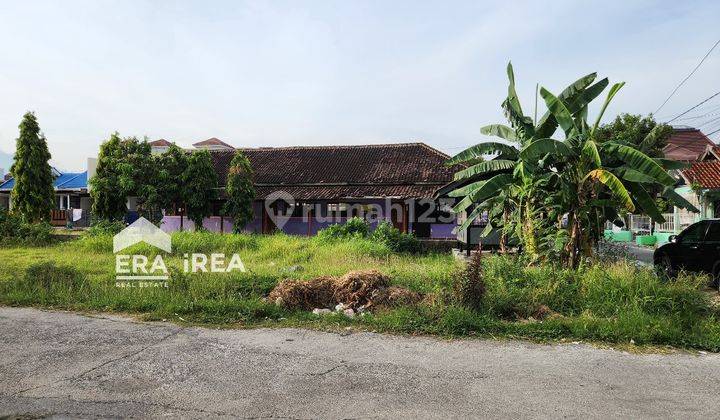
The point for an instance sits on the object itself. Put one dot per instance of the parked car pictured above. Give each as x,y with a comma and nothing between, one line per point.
696,249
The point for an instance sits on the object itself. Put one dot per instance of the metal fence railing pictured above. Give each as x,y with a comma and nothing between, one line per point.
640,223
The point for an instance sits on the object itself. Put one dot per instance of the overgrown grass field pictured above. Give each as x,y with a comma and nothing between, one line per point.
613,303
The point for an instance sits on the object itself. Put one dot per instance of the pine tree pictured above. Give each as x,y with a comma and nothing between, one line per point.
33,196
240,191
200,182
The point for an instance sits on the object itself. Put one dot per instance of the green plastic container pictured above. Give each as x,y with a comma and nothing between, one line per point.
646,240
663,237
622,236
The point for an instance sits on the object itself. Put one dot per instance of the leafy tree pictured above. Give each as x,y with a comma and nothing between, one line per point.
167,187
201,183
125,169
633,130
33,195
240,191
559,192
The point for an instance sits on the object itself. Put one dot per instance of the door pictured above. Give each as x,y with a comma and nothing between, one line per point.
689,246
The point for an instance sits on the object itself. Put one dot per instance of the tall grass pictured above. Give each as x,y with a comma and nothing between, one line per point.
615,302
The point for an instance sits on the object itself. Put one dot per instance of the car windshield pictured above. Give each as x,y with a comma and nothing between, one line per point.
695,233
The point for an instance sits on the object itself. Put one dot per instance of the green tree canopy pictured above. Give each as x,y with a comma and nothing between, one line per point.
125,169
166,186
33,195
633,130
240,191
200,184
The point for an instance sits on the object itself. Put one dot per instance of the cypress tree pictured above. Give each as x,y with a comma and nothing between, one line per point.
33,196
200,183
240,191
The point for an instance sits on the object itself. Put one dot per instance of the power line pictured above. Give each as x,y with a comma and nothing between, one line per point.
687,77
712,120
713,110
713,132
680,115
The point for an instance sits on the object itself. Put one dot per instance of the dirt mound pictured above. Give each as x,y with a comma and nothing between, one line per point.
356,289
298,294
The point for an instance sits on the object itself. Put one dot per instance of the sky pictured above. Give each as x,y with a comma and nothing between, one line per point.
287,73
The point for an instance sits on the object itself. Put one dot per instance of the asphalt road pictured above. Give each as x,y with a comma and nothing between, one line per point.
68,365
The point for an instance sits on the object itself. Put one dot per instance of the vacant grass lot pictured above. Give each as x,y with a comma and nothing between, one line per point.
613,303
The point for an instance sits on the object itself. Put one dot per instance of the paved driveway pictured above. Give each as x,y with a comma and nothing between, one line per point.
68,365
641,253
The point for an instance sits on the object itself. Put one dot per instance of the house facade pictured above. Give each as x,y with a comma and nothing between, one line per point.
300,190
72,198
699,184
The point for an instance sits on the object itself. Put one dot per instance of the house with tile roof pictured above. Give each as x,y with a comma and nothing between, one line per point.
701,180
687,144
159,146
696,183
699,183
213,143
72,198
324,185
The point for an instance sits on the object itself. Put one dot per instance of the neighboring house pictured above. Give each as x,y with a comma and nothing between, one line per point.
687,144
72,198
213,144
159,146
699,184
331,184
703,179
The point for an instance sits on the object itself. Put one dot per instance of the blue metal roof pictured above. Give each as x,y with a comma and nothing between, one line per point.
64,181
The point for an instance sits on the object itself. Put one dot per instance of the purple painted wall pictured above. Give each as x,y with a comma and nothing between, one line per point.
172,224
442,231
294,226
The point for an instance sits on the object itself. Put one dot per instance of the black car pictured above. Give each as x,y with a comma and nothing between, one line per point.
696,249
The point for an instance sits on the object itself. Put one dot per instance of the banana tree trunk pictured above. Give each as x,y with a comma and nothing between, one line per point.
530,240
503,235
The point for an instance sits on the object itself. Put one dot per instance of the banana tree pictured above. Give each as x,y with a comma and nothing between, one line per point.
573,184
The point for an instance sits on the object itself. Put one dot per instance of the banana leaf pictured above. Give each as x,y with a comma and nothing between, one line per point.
544,146
559,111
480,150
646,202
638,161
614,185
485,167
678,200
500,130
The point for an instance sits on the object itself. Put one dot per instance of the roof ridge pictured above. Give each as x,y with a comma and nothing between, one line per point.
341,146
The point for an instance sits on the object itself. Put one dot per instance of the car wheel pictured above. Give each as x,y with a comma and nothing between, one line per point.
664,267
716,276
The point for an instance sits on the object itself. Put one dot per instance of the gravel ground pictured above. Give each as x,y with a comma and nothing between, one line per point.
70,365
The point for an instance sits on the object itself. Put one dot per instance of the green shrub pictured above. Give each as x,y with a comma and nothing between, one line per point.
386,233
48,277
106,227
353,228
13,230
